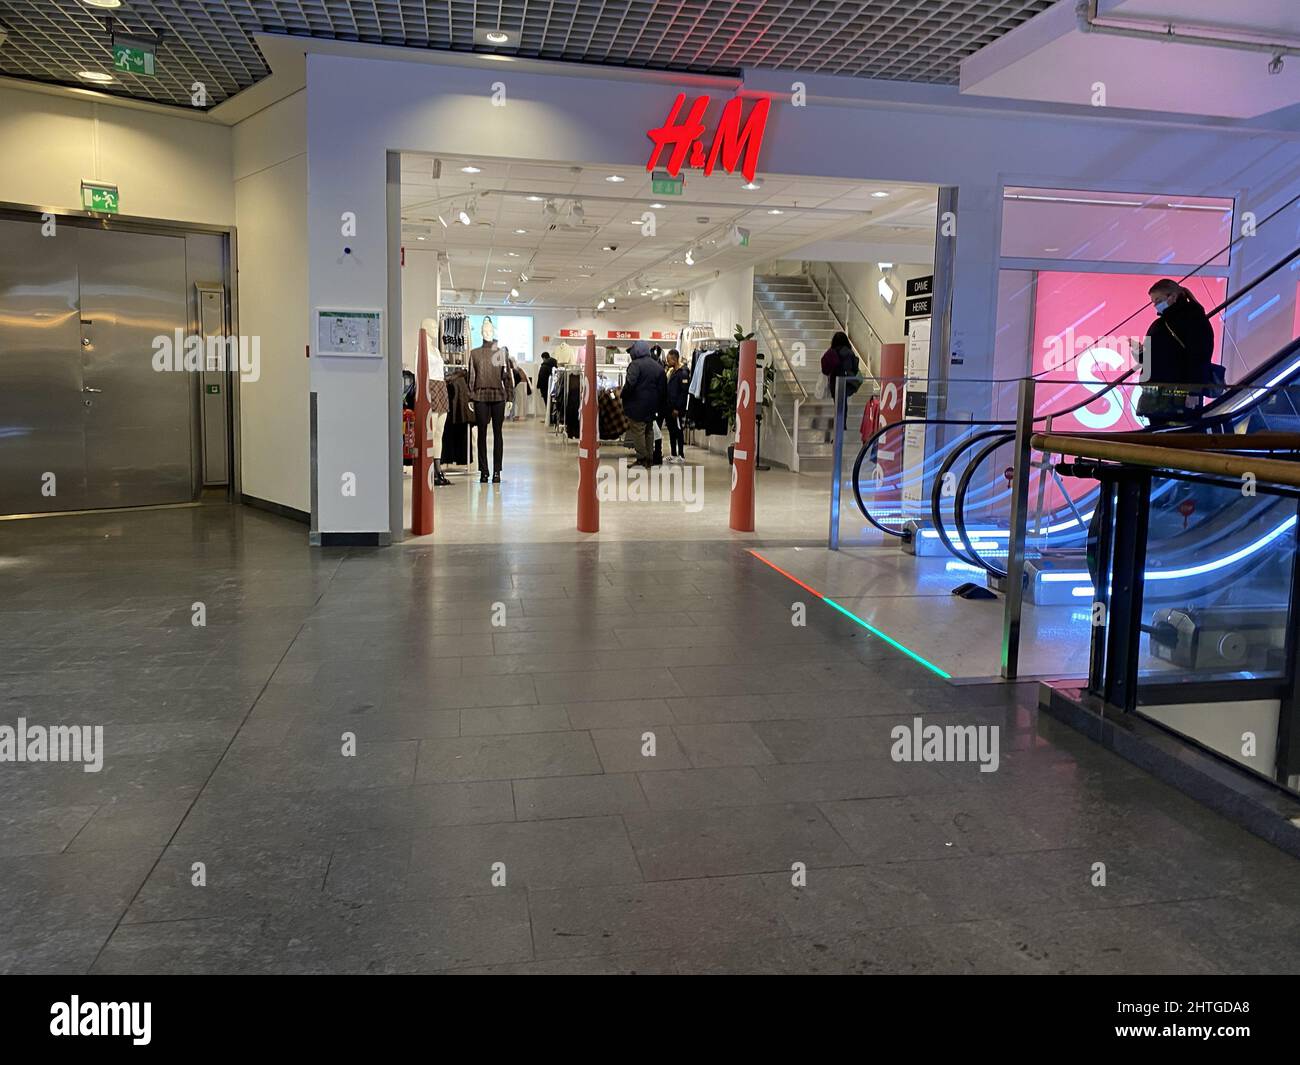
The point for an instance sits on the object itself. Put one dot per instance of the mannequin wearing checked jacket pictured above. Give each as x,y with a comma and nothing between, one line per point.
491,383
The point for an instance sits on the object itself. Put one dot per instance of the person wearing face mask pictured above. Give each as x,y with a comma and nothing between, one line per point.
1177,356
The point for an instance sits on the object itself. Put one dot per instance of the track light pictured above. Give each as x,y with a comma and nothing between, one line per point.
690,256
464,217
576,213
550,212
600,306
1275,64
514,293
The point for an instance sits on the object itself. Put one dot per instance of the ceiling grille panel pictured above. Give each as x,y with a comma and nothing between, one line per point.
209,41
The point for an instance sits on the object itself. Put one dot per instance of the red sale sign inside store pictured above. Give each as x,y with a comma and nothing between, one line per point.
685,136
576,333
1082,342
623,334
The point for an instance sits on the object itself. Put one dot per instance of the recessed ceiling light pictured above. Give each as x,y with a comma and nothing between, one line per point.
615,178
504,270
103,4
521,231
470,170
500,58
513,254
757,183
534,199
497,36
776,210
879,195
659,206
634,222
421,238
97,76
514,293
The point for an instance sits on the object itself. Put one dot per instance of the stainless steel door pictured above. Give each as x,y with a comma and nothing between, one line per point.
42,457
139,420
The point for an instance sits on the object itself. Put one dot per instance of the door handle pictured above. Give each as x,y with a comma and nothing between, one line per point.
88,389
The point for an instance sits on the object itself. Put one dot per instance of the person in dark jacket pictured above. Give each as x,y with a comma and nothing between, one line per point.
679,384
645,394
839,360
1177,356
544,373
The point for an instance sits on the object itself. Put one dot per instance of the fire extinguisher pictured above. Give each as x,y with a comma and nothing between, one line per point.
408,437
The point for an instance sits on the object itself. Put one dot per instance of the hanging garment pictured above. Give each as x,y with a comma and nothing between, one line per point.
572,407
613,422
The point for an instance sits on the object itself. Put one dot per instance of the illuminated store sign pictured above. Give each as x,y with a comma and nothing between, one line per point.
730,141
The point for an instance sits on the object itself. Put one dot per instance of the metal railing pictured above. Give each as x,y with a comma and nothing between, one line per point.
852,318
771,342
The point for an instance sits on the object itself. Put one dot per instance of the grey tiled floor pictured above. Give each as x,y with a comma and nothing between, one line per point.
522,745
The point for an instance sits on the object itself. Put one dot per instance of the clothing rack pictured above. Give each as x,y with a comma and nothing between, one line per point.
453,335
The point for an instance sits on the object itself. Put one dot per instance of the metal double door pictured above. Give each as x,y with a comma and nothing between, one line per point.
87,420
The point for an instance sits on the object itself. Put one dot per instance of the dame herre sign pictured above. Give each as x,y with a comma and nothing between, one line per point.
730,140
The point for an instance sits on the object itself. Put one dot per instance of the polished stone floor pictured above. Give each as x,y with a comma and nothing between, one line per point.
499,812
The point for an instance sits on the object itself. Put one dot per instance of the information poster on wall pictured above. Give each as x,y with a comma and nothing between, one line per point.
916,394
348,333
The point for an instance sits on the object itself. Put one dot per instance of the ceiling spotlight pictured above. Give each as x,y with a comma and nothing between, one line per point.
612,299
496,37
609,247
97,76
1275,64
550,212
514,293
690,256
879,195
615,178
600,306
464,217
523,279
521,231
513,254
757,183
659,206
421,238
737,236
470,170
533,199
776,210
886,291
576,213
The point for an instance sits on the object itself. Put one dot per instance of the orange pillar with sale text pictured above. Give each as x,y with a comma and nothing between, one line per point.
422,482
743,459
588,445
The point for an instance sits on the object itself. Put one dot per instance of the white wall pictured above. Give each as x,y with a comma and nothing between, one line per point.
419,299
863,281
921,134
727,302
270,162
166,167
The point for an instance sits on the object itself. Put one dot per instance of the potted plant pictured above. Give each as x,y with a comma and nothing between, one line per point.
722,390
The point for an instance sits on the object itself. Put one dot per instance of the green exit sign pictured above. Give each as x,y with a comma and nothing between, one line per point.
101,198
664,184
132,60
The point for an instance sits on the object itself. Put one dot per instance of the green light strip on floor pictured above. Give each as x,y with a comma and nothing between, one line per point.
888,639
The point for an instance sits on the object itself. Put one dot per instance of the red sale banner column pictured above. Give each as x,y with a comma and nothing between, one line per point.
422,486
588,445
742,465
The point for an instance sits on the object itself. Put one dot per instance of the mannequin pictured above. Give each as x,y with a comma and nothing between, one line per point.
491,383
438,400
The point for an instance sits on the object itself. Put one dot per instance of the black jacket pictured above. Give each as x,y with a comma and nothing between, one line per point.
679,384
544,375
645,390
1180,345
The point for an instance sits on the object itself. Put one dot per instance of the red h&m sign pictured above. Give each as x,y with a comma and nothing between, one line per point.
730,141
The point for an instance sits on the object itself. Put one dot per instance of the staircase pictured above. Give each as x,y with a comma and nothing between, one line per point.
789,311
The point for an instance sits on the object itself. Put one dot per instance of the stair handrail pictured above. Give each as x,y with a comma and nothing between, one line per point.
865,370
779,349
848,296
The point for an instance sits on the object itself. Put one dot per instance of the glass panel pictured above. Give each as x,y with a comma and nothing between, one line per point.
1115,227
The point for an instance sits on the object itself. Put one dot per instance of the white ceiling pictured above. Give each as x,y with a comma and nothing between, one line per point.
567,263
1050,59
